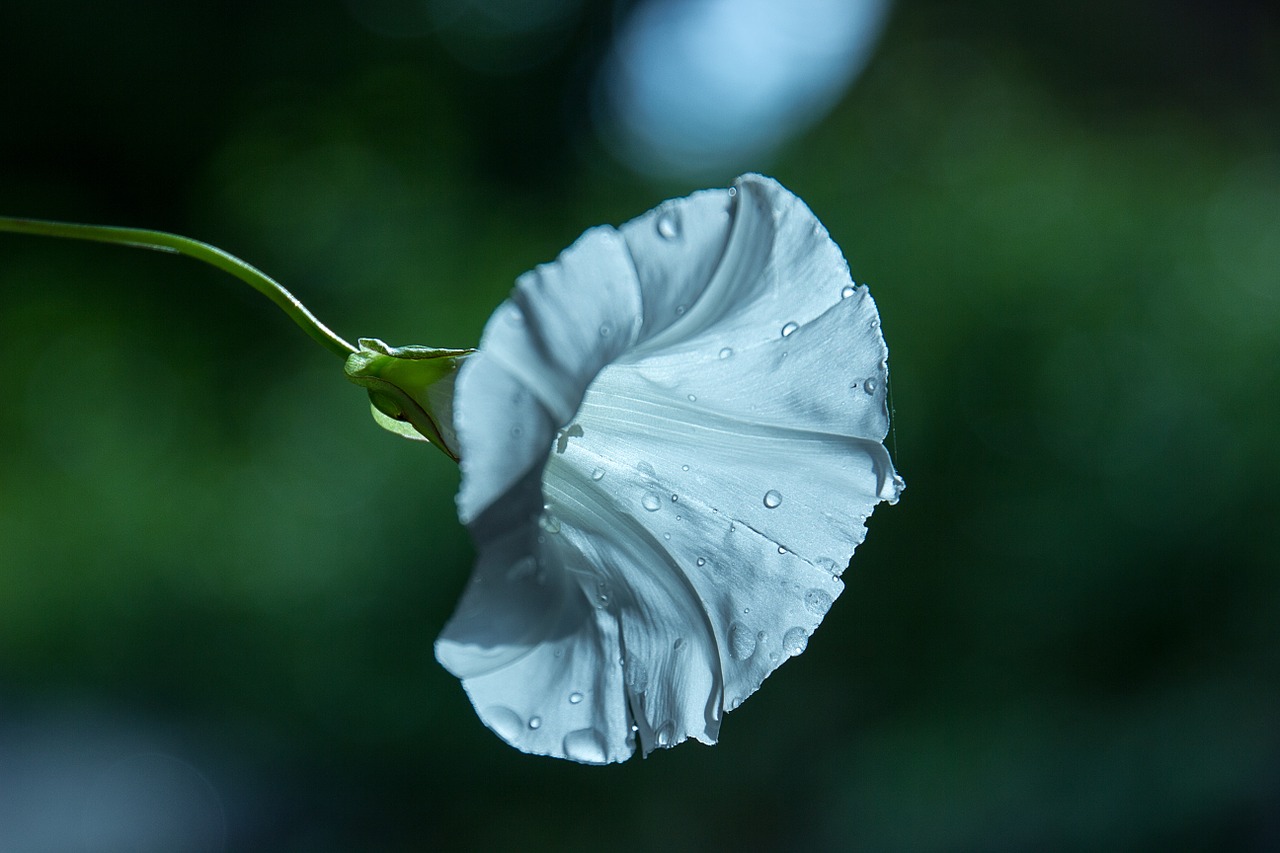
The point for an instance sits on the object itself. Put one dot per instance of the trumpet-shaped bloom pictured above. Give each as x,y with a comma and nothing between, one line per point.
671,439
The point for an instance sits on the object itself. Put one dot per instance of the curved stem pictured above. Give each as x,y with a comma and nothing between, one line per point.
212,255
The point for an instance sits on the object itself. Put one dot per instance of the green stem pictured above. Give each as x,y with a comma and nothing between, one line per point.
162,242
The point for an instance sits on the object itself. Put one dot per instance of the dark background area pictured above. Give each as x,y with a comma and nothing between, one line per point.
220,582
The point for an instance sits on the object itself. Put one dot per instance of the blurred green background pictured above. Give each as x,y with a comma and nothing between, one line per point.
220,582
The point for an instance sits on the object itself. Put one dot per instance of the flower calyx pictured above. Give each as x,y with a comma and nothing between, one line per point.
410,389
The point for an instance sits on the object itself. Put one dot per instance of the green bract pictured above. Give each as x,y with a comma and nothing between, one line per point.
410,389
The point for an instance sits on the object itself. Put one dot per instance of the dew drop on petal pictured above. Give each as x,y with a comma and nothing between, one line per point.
504,721
678,644
516,432
829,566
762,637
789,328
726,352
586,745
675,498
795,641
817,601
693,398
668,225
605,330
575,697
650,502
535,722
781,550
733,191
741,644
701,561
773,499
848,291
597,474
870,385
679,310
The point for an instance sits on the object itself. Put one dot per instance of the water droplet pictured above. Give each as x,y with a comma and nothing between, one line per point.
587,746
781,550
795,641
597,474
762,637
535,722
668,225
665,734
772,499
575,697
848,291
646,469
678,644
726,352
789,328
675,498
602,594
701,561
733,191
679,310
741,644
817,601
693,398
667,536
684,467
516,432
870,385
650,502
896,485
605,330
504,721
734,705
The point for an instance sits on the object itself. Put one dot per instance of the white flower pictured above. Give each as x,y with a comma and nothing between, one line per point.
671,439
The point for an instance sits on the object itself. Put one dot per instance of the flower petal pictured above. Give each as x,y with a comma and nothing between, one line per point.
563,323
537,658
775,265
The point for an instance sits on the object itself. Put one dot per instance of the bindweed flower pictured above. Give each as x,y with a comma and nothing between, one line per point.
671,438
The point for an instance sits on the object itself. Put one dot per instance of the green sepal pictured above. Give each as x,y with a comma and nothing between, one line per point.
410,389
